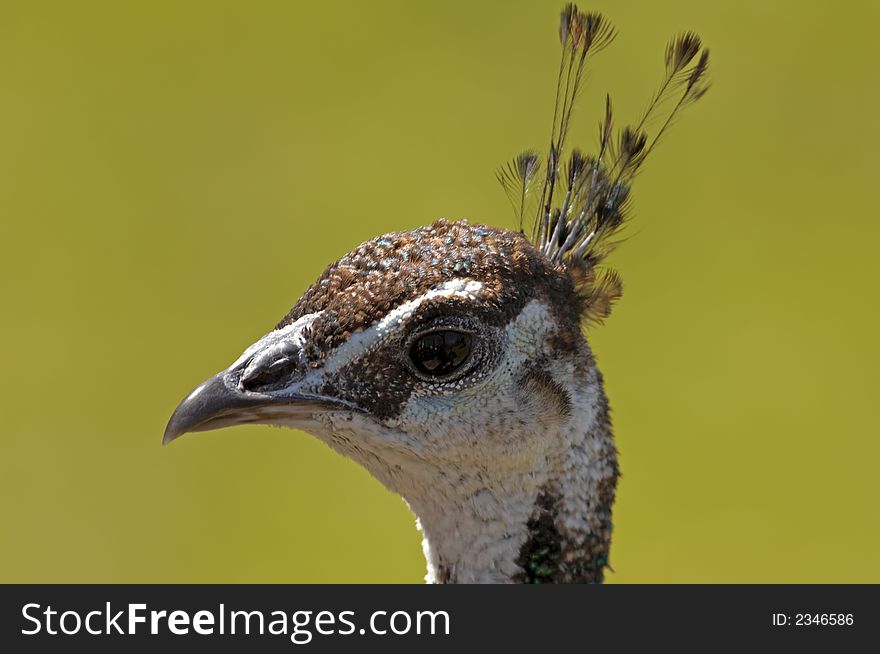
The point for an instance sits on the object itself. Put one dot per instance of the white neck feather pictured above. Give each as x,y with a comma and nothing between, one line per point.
476,527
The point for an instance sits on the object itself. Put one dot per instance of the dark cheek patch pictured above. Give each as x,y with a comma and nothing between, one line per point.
379,383
382,382
549,399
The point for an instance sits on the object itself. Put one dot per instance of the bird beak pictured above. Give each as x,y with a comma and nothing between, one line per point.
211,405
217,403
264,386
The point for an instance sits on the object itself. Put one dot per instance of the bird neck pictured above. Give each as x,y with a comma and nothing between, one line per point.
545,518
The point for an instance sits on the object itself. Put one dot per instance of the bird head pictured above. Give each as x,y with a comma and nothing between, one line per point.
452,346
449,361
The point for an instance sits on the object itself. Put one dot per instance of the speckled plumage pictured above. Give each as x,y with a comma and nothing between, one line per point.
505,455
379,275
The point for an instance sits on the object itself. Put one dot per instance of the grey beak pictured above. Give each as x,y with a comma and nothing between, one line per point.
220,402
211,405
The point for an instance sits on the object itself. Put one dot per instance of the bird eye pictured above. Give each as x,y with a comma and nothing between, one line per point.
440,353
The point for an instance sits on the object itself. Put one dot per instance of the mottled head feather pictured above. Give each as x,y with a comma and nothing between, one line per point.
381,274
582,205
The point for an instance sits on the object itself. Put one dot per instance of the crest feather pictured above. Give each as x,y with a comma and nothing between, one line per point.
582,206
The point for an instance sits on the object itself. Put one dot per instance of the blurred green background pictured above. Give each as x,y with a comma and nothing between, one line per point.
173,175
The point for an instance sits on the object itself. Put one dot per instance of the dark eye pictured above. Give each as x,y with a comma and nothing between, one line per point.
440,353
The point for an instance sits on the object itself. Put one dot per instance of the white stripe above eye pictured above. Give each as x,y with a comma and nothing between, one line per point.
360,342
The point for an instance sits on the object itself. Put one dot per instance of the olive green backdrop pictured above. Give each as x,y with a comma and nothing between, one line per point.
174,174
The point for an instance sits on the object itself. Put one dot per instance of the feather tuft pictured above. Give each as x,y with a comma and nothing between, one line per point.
581,228
516,179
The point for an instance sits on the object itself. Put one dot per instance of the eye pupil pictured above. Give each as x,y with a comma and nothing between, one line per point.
440,353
